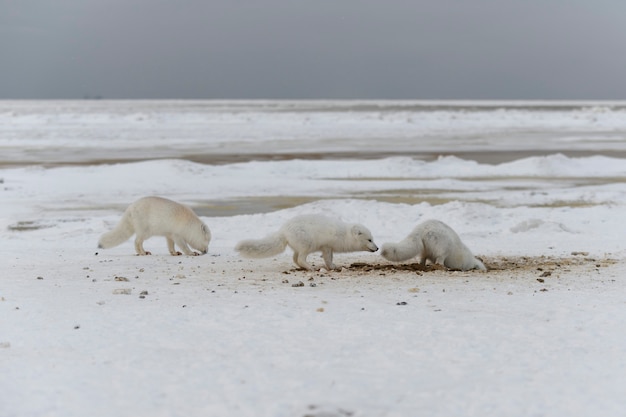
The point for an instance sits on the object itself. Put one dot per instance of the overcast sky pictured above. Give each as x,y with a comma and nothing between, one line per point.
299,49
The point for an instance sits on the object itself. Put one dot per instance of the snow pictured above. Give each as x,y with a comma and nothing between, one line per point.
85,331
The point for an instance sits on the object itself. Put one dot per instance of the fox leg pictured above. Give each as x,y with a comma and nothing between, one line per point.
139,246
327,255
300,260
170,247
440,261
182,244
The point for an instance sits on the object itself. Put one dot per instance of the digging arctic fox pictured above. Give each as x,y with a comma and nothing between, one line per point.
435,241
307,234
156,216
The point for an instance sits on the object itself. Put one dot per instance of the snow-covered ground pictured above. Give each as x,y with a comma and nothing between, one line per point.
85,331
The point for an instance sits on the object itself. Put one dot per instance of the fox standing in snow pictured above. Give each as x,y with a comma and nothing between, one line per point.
156,216
307,234
435,241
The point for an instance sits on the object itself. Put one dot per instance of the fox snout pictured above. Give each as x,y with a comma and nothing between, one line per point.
372,247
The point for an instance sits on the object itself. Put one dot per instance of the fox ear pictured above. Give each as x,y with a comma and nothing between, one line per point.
356,230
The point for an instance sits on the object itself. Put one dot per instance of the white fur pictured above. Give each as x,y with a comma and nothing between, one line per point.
434,241
156,216
307,234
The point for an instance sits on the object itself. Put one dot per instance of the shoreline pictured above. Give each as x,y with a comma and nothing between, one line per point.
217,158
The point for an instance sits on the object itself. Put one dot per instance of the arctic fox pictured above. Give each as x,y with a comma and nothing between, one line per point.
307,234
156,216
435,241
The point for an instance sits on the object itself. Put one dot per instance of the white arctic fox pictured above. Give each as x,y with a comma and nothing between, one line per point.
435,241
156,216
307,234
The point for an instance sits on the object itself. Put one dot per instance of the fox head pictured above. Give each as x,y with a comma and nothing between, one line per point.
362,235
200,239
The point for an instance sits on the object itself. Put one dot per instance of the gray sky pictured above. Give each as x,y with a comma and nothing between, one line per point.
296,49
